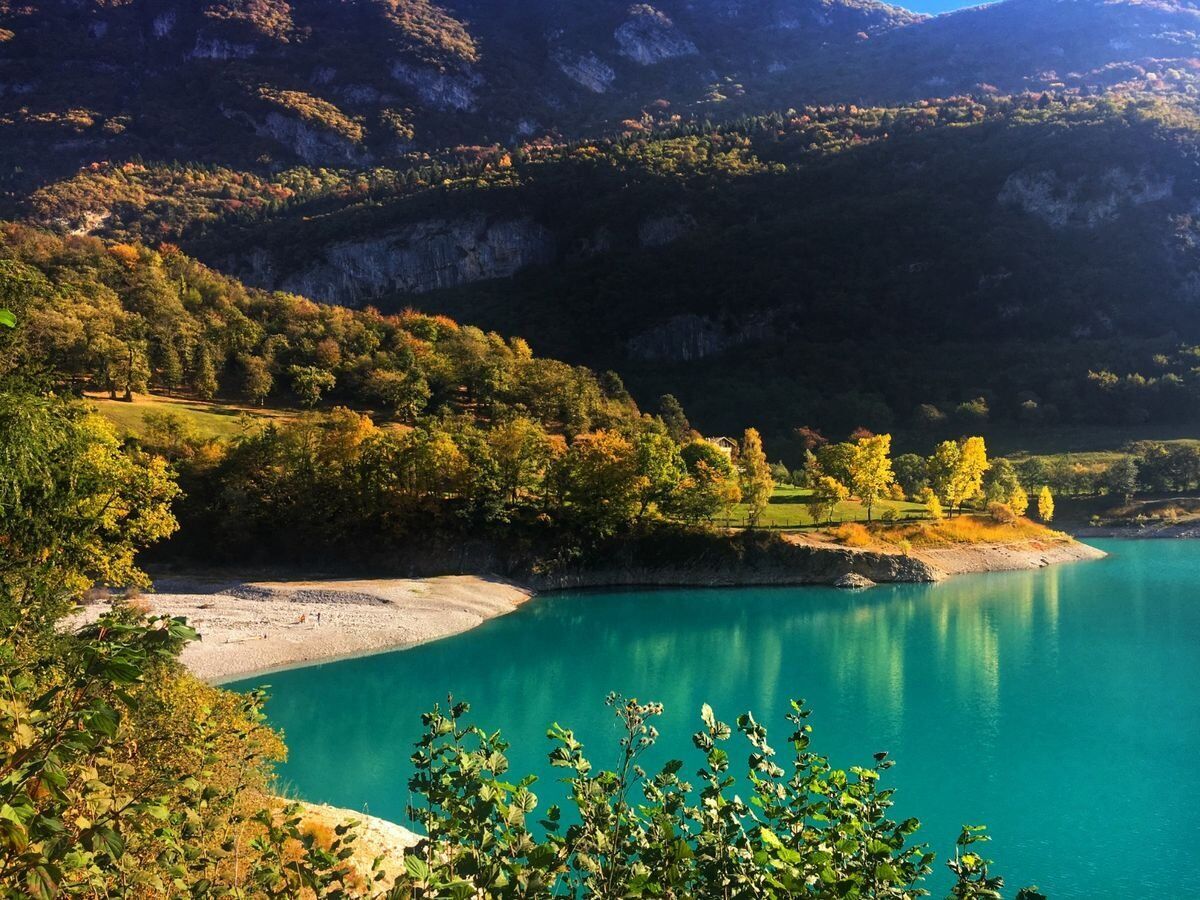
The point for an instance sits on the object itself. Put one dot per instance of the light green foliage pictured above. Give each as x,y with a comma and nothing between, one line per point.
828,492
660,468
311,383
1000,481
805,828
75,507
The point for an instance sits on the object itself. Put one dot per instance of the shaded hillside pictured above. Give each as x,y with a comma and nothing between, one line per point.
262,83
837,265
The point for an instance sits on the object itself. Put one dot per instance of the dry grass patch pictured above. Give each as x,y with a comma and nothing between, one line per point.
964,529
851,534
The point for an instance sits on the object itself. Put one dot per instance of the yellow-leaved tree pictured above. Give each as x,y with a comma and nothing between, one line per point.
1045,504
956,470
1018,500
871,469
755,475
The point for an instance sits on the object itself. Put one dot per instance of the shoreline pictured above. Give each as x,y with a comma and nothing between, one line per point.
251,627
254,626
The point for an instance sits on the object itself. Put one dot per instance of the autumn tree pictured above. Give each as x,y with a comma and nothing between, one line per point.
1045,504
972,466
1018,501
932,504
710,487
755,479
598,481
956,470
76,507
871,469
522,451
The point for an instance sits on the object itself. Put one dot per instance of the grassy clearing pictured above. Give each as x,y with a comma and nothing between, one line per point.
790,507
208,419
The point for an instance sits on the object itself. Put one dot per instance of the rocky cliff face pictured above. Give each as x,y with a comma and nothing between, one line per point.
649,37
688,337
1084,202
588,70
410,260
443,91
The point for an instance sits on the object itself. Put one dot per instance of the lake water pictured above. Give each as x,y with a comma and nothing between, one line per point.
1061,707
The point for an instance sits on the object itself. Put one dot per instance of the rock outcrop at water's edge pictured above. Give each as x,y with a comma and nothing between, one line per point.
698,559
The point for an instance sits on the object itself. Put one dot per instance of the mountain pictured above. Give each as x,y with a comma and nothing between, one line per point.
835,263
259,84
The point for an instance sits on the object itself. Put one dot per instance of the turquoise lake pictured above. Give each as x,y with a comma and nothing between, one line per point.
1060,707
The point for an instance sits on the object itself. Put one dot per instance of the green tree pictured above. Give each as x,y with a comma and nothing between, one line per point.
1121,478
170,367
660,470
1000,482
828,492
871,469
204,374
673,416
257,379
911,474
755,479
311,383
405,394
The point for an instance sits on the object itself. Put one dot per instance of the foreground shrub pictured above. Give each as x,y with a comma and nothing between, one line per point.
807,829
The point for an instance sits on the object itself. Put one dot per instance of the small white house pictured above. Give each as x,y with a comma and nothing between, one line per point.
726,445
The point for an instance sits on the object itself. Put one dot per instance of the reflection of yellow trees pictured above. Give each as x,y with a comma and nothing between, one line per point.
887,654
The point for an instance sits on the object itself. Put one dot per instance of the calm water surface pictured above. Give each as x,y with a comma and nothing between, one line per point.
1061,707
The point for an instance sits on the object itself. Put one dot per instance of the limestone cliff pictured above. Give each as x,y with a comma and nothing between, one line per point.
415,258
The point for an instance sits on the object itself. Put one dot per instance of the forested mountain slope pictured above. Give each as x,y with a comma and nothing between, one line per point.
260,83
837,264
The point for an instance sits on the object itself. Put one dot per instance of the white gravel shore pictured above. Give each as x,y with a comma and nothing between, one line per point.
248,627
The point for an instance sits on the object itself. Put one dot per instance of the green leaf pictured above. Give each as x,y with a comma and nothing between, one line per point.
7,319
417,868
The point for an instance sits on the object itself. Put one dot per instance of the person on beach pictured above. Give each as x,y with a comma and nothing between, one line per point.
318,617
